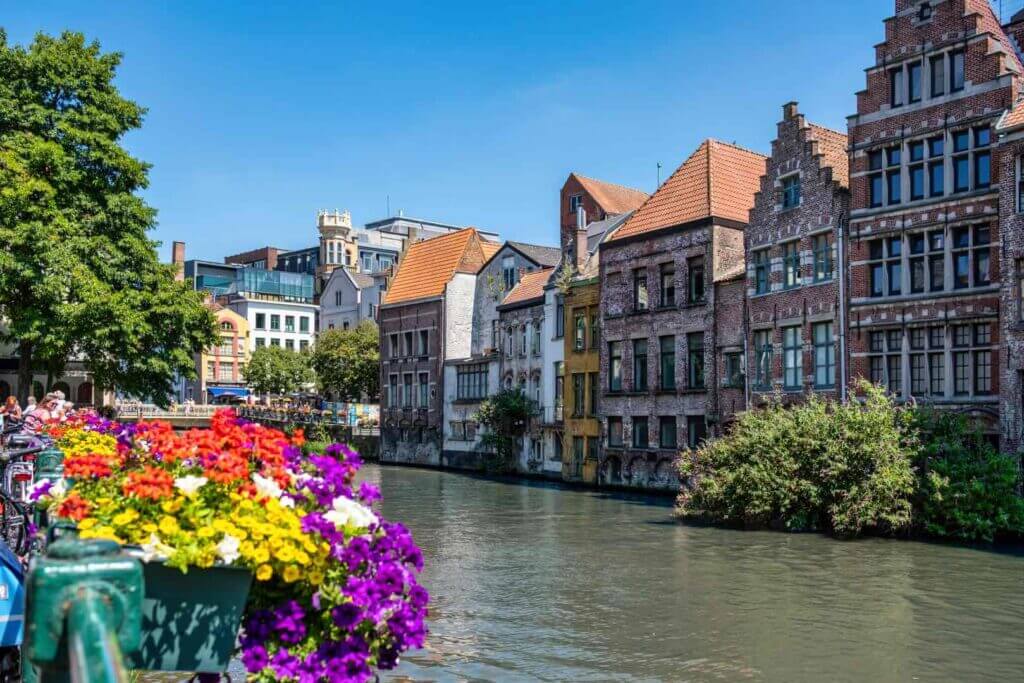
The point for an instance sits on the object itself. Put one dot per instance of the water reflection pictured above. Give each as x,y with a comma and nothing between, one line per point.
538,582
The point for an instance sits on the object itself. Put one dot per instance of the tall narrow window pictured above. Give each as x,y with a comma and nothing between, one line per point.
695,360
982,158
914,81
559,316
578,394
791,264
893,176
763,359
640,298
916,263
956,70
938,70
595,334
791,191
761,268
695,280
896,87
615,366
580,331
667,363
668,285
593,381
424,390
639,365
667,431
792,357
876,184
696,430
961,161
508,272
641,437
822,258
936,166
535,339
824,356
614,431
916,169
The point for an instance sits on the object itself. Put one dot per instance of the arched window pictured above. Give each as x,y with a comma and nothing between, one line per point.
227,326
63,388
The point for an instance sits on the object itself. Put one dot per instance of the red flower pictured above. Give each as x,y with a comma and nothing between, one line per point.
152,483
74,507
87,467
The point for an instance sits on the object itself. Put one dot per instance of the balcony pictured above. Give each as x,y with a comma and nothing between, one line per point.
551,415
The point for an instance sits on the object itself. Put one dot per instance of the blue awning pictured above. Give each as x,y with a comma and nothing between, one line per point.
227,391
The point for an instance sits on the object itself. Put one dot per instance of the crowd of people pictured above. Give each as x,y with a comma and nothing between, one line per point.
52,407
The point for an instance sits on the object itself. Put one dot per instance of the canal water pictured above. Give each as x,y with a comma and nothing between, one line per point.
531,581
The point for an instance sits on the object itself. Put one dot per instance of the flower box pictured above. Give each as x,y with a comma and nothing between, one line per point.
190,621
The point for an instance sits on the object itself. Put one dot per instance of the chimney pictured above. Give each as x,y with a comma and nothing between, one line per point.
789,111
178,259
581,237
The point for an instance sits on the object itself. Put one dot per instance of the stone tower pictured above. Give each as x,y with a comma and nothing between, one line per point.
338,244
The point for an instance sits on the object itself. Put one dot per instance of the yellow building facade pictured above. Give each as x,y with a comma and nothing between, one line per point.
581,383
220,368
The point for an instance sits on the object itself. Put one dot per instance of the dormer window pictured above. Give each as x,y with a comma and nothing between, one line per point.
924,13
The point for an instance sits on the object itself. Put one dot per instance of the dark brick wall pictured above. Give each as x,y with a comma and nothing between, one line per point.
824,203
1011,316
412,434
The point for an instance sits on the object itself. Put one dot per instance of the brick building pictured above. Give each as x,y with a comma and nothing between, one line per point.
598,199
1011,261
426,317
924,213
661,388
795,325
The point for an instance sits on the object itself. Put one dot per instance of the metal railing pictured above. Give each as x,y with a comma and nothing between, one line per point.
152,412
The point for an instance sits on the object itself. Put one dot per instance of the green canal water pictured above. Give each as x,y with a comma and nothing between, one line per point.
532,581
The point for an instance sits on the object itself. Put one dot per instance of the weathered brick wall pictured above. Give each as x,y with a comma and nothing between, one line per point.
1011,316
730,311
524,369
412,435
653,467
567,220
823,204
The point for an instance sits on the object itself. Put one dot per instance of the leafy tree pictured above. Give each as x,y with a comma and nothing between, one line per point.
78,275
347,362
505,417
276,370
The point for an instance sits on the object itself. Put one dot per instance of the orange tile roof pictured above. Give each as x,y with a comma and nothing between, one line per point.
428,266
490,248
531,286
612,198
1013,118
832,145
718,180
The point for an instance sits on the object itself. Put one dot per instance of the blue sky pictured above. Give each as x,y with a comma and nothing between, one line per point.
472,113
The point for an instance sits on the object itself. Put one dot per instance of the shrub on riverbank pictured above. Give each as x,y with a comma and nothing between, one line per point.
849,469
815,466
966,489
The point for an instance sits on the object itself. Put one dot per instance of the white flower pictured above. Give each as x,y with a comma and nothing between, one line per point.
54,490
227,549
155,549
347,511
266,486
190,484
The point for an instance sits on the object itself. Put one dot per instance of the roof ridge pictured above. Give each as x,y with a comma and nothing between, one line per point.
735,146
812,124
608,182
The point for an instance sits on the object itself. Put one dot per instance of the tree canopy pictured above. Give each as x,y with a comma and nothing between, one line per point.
276,370
347,362
79,278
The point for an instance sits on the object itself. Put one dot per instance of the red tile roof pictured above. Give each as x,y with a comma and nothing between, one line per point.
614,199
718,180
1014,118
832,146
531,286
428,266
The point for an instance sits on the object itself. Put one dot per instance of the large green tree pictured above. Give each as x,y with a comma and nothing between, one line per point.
276,370
347,362
78,275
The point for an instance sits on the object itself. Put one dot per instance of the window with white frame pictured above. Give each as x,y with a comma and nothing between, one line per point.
824,355
792,357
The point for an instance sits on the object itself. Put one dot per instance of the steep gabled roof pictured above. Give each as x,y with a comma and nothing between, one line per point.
490,249
611,197
541,255
717,181
530,286
832,146
1013,118
429,265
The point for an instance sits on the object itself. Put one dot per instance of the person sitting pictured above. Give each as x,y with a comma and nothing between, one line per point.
11,410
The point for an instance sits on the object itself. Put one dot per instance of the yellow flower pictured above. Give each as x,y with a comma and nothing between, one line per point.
125,518
264,572
206,532
315,577
171,506
261,555
87,523
302,558
149,527
247,548
291,574
205,560
285,554
168,525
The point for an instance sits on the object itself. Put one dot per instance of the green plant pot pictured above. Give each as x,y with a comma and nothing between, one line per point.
190,621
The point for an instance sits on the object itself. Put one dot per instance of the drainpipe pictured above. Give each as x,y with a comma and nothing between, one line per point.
841,258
